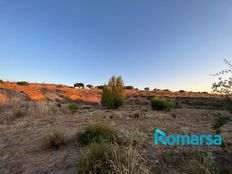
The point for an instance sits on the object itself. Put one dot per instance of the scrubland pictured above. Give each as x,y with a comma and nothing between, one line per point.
58,129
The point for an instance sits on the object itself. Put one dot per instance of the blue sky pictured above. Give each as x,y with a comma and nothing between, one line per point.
171,44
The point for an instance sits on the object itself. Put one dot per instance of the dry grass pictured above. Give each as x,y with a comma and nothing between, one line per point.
108,158
54,140
133,162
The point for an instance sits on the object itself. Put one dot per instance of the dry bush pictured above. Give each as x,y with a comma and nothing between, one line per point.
96,158
134,162
9,111
54,140
133,137
108,158
189,162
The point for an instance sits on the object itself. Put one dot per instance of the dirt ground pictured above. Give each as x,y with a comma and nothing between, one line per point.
20,139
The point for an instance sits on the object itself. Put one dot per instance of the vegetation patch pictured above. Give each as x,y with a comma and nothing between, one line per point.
73,107
113,93
22,83
96,158
161,104
133,137
220,122
1,81
108,158
190,162
97,133
53,141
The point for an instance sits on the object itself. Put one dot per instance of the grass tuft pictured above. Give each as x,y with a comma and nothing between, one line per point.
53,141
73,107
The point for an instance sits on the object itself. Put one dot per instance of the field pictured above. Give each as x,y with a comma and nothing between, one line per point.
30,113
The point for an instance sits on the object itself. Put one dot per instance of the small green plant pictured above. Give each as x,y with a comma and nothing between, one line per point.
97,158
1,81
53,141
22,83
73,107
113,93
161,104
96,133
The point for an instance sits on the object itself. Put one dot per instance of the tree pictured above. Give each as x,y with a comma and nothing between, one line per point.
224,84
89,86
129,87
113,93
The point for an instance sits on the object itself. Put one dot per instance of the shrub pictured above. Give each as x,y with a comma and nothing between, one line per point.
22,83
96,133
220,122
100,87
107,158
73,107
133,137
146,89
89,86
19,114
79,85
1,81
96,158
113,93
53,141
129,87
161,104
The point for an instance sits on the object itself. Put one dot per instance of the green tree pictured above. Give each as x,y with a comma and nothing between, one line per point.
113,93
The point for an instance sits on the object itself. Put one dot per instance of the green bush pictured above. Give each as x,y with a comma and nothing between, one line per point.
73,107
1,81
97,158
53,141
113,93
96,133
23,83
161,104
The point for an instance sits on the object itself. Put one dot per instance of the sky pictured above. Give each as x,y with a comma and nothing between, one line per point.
166,44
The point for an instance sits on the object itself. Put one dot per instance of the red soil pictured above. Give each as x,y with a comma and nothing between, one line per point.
34,91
